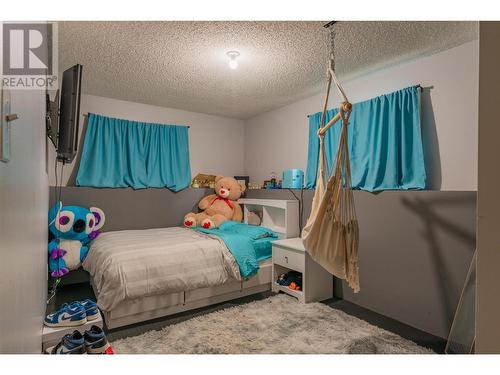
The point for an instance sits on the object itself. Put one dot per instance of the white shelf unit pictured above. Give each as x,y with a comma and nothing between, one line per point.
279,215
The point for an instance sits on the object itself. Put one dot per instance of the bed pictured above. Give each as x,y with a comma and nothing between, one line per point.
138,275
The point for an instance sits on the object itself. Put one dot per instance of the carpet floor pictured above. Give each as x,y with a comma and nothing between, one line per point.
278,324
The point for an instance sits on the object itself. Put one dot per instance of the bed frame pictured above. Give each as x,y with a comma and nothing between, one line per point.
280,215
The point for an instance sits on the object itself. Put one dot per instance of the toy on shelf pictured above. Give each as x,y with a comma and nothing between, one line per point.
269,184
203,181
219,207
293,179
254,218
291,279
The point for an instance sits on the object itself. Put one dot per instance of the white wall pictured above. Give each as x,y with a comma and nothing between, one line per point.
23,228
216,143
277,140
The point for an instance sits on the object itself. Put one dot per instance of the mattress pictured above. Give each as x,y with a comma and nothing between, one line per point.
132,264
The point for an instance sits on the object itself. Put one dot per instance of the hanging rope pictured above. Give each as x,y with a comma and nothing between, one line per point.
332,48
331,234
346,106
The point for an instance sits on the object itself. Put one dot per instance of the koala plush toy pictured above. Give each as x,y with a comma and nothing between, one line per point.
71,229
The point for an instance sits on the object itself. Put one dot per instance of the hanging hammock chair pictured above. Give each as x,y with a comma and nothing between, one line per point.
331,235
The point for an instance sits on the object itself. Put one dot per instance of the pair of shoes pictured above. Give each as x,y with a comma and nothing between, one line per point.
72,314
282,280
291,279
91,310
92,341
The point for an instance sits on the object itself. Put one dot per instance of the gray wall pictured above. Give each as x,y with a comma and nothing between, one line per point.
488,254
415,250
415,247
23,228
134,209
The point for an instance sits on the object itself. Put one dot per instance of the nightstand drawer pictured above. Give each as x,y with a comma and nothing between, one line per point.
289,258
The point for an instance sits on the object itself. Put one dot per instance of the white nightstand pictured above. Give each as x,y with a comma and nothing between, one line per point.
289,254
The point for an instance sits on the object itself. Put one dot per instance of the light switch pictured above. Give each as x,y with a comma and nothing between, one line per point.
4,125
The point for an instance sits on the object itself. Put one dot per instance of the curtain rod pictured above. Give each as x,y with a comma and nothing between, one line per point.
419,86
87,115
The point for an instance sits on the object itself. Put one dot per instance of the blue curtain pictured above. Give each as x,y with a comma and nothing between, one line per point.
385,143
123,153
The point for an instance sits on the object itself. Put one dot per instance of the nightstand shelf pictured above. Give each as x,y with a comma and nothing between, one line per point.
317,283
295,293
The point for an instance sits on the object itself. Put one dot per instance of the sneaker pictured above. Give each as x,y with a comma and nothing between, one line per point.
68,315
72,343
90,309
95,341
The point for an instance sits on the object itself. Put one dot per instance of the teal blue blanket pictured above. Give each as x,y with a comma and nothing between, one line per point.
249,244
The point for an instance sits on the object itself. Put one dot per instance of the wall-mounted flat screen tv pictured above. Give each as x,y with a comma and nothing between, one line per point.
63,119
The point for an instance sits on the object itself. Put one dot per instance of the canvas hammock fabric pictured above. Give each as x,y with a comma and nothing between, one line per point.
331,235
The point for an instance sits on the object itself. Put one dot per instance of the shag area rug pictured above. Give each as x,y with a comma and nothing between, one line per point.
278,324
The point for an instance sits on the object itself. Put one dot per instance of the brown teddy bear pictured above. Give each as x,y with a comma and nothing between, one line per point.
219,207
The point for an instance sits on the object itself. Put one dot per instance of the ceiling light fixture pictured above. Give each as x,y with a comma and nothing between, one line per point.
233,55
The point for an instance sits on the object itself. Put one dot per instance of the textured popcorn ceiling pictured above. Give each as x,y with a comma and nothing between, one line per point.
184,64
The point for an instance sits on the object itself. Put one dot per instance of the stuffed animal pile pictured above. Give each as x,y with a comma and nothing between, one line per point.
219,207
71,228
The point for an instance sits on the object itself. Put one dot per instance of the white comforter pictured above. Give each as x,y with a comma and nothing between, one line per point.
136,263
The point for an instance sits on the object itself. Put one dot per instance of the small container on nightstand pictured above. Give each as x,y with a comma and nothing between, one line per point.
317,283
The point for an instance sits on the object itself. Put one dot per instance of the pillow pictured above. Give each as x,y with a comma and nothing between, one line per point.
251,231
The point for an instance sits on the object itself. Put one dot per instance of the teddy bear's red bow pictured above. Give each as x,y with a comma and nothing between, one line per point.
228,202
